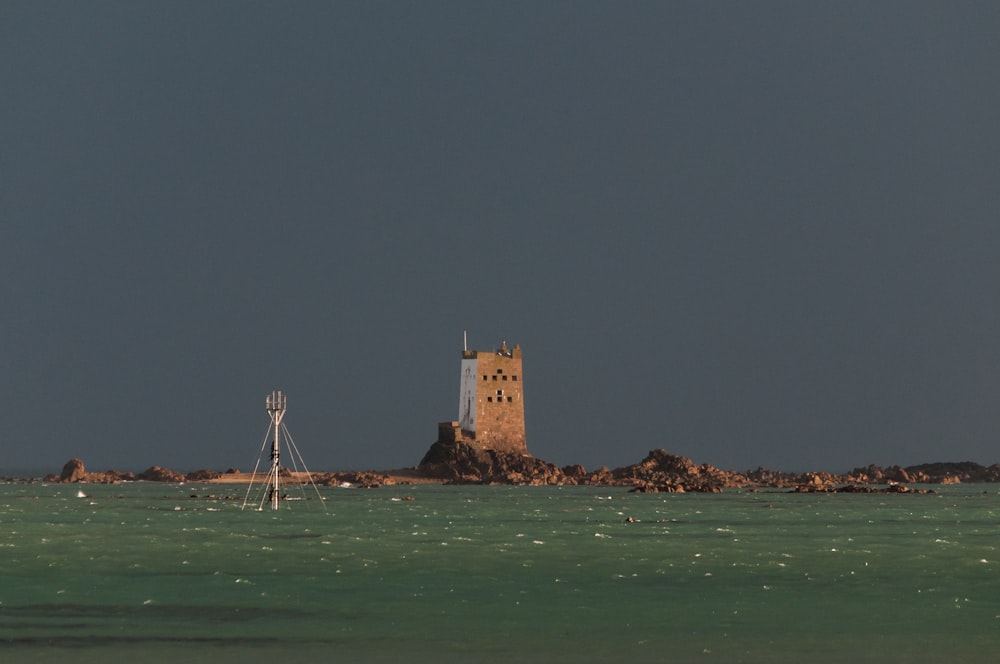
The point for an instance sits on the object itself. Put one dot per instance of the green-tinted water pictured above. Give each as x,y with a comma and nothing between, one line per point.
498,573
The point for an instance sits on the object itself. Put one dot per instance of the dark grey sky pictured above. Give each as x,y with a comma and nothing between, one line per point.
749,233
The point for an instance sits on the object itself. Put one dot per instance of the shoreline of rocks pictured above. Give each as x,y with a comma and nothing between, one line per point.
659,472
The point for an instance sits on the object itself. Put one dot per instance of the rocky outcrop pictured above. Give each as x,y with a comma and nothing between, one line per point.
659,472
364,479
203,475
668,473
877,475
110,477
859,488
460,463
457,462
158,474
932,473
73,471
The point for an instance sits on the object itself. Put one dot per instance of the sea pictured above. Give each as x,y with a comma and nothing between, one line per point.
188,573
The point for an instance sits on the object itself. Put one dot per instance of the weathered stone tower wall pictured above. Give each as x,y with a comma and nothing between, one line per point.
491,406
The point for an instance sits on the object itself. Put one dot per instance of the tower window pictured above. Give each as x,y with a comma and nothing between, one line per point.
484,376
510,399
513,377
494,377
490,399
505,377
499,393
499,371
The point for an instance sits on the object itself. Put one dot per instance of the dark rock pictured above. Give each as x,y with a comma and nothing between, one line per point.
460,463
203,475
858,488
158,474
363,479
668,473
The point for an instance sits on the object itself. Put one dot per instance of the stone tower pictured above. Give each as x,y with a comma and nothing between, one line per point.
491,400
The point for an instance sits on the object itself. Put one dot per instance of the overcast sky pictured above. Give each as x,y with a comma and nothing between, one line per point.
751,233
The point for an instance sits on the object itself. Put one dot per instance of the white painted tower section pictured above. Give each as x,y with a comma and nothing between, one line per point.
467,395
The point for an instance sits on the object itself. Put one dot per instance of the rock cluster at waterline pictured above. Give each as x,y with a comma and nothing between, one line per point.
659,472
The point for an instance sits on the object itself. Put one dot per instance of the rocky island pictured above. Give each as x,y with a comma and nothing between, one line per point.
459,463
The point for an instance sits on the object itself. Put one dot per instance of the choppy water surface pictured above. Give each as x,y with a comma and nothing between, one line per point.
498,574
